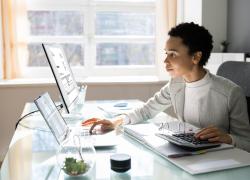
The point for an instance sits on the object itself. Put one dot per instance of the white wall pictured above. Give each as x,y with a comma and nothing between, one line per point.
238,25
192,11
214,18
210,13
13,98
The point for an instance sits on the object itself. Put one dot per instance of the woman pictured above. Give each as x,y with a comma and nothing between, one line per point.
210,102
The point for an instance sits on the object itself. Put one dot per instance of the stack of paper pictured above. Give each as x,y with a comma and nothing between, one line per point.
145,134
209,160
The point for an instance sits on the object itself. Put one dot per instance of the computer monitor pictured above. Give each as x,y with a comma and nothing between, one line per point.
69,91
52,117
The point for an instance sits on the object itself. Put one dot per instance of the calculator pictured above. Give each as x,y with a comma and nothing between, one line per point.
187,141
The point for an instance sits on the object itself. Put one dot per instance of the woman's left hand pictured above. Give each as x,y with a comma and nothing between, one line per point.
214,134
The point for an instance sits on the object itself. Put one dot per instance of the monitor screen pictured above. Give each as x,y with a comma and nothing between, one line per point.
52,117
63,75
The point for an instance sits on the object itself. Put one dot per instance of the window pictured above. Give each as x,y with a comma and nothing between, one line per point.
99,37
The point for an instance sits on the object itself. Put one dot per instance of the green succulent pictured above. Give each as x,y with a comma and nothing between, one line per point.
74,167
224,43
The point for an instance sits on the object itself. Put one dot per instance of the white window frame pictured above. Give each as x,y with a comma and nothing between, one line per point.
89,68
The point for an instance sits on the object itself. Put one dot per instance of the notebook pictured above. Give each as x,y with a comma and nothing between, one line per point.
62,131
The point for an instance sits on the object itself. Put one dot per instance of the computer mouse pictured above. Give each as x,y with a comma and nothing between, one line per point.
122,104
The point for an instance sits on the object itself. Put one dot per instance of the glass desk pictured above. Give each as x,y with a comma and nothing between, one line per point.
32,155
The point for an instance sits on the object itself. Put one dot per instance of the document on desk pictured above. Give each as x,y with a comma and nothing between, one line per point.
194,162
112,111
117,107
213,161
145,134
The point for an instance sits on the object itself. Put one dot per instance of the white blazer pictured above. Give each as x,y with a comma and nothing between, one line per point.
224,107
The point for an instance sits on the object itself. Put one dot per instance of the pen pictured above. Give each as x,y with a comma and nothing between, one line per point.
187,154
179,155
199,152
107,112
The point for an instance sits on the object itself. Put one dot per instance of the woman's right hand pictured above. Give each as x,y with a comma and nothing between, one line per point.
106,125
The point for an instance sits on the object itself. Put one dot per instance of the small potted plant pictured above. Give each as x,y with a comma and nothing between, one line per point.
76,156
74,167
224,46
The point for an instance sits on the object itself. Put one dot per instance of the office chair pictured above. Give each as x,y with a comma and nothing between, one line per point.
239,73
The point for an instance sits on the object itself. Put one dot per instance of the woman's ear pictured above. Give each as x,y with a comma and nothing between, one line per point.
197,57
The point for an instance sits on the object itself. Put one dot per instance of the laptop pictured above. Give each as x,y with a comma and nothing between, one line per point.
62,131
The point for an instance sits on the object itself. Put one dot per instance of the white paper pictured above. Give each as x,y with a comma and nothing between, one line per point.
213,165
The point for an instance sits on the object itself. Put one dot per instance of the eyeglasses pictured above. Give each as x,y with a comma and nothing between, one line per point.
175,127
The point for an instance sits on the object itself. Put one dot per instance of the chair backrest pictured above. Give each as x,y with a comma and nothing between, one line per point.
239,73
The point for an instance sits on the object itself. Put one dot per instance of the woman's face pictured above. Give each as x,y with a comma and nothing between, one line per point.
178,61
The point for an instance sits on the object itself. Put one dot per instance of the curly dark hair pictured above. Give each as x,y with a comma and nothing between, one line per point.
196,38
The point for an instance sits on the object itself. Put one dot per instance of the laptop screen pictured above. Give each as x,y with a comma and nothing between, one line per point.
52,117
63,75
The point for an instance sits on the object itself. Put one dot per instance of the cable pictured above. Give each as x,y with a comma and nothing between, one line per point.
19,120
32,112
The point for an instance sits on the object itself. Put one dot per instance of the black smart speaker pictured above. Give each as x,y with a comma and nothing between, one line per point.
120,162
